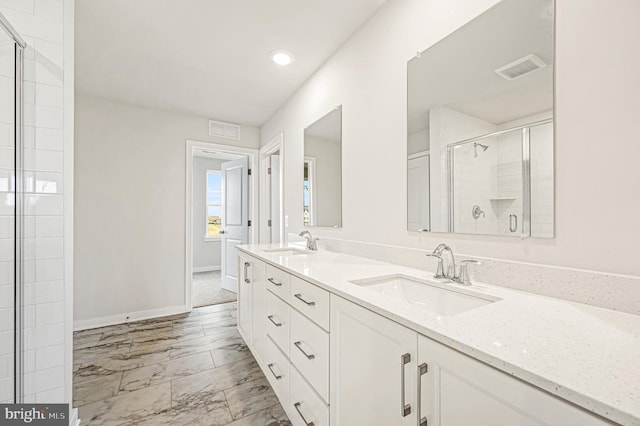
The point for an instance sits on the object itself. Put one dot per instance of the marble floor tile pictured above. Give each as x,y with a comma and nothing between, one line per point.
92,390
85,340
198,388
216,413
272,416
166,337
230,353
216,308
207,318
250,397
165,371
216,327
100,352
127,408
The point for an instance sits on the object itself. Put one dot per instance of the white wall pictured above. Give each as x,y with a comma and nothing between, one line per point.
328,178
47,27
130,207
597,202
206,252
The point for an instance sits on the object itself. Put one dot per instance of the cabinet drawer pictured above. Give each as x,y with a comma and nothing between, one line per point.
305,406
309,352
278,322
279,282
277,371
311,300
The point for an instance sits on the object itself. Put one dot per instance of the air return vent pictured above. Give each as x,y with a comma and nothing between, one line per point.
521,67
224,130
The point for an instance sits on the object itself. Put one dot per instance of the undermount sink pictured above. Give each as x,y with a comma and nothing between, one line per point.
432,297
287,251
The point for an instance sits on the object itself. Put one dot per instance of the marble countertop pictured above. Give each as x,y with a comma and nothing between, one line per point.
584,354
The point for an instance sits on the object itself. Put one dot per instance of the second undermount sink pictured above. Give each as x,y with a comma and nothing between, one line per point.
287,251
432,297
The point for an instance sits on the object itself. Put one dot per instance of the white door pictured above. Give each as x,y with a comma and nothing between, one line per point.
235,218
373,364
274,185
418,193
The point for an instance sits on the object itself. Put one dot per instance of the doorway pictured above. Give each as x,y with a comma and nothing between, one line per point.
272,221
219,211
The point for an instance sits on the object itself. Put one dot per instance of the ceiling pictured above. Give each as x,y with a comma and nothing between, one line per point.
208,57
458,72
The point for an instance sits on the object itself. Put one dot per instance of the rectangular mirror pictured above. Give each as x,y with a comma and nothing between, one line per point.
322,195
480,142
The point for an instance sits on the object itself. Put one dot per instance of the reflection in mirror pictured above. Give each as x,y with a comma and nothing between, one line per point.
322,195
480,126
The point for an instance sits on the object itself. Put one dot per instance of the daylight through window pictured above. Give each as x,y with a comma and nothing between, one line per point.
214,203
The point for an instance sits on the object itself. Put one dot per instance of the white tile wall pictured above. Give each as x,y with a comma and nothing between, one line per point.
41,23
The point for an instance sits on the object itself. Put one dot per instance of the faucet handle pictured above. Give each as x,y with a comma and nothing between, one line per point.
440,269
462,277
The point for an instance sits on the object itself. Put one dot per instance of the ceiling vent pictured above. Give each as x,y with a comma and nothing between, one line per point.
521,67
224,130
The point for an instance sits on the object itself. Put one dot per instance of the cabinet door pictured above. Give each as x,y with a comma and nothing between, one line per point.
372,364
258,301
244,297
457,390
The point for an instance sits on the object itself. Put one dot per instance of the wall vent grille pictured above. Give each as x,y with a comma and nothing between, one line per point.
224,130
521,67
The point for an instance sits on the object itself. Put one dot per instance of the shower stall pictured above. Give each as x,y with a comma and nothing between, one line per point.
11,213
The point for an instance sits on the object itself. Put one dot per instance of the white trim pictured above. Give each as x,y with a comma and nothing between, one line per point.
127,317
206,203
275,144
312,193
190,145
206,269
211,239
418,154
68,178
73,417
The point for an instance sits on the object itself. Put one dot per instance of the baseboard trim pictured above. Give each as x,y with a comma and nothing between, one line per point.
124,318
74,420
206,269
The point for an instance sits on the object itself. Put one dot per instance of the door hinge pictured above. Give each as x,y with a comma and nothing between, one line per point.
269,171
249,172
269,222
249,223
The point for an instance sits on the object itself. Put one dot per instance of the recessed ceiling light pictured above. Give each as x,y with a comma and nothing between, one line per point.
282,57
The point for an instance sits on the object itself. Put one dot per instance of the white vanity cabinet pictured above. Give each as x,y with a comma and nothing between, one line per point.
385,374
251,303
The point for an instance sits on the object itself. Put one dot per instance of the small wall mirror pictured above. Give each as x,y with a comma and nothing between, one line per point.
480,126
322,196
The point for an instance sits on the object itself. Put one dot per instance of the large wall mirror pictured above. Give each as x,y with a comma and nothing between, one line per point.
480,126
322,196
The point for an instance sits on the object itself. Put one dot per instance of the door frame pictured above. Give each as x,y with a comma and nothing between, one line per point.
275,144
252,155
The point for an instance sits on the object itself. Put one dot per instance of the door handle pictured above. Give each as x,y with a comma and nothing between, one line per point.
299,297
422,370
277,376
513,227
297,407
299,346
405,409
277,324
274,282
221,231
246,272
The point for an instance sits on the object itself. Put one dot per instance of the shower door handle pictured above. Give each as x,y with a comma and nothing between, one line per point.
513,222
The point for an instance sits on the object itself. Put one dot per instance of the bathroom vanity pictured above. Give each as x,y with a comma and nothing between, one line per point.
346,340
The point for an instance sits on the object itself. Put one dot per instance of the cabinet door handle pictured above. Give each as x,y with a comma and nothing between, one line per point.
277,324
274,282
277,376
246,272
422,370
299,346
297,407
405,409
299,297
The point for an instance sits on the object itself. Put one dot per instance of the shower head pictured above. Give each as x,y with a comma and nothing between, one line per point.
475,148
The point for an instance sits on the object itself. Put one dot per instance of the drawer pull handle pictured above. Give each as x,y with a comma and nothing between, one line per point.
422,370
277,324
274,282
277,376
299,346
299,297
405,409
246,272
297,407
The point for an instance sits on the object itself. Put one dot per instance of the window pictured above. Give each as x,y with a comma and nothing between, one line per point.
214,203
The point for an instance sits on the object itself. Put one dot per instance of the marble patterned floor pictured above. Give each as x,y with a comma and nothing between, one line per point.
188,369
207,290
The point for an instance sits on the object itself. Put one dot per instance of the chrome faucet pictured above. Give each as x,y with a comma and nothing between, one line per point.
459,275
312,243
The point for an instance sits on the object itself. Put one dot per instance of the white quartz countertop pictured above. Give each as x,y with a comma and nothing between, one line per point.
584,354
